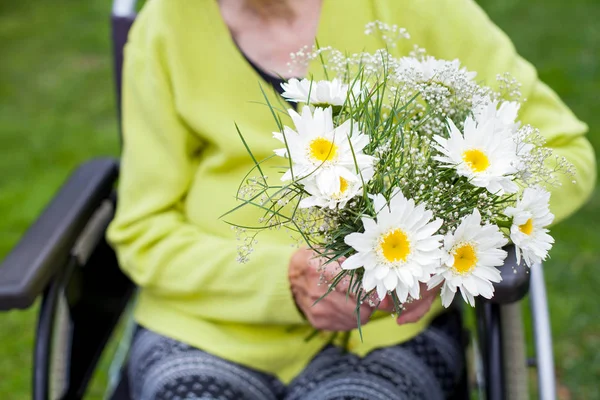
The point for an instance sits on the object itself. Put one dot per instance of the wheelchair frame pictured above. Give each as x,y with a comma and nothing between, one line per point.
64,259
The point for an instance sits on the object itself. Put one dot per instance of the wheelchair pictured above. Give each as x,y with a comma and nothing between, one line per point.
64,259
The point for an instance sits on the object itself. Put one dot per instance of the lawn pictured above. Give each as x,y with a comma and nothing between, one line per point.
57,110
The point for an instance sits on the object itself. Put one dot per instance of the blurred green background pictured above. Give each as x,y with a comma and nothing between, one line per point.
57,110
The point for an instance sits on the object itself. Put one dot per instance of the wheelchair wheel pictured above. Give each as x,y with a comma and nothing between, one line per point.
514,354
52,346
59,361
80,309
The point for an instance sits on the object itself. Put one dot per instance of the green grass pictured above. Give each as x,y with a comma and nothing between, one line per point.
57,110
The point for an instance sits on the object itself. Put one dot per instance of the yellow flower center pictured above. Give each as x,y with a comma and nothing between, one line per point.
395,246
322,149
465,258
527,227
343,185
476,160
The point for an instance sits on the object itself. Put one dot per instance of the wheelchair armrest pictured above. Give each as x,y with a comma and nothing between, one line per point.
515,280
47,244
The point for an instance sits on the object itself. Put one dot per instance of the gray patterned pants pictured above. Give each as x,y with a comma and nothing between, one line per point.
426,367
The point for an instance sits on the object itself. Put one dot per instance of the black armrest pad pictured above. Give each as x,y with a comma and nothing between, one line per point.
46,246
515,280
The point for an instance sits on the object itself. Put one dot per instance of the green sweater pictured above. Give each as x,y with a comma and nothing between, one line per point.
185,84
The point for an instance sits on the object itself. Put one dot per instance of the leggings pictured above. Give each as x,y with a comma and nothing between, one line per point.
429,366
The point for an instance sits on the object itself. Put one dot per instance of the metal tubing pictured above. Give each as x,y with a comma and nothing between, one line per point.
514,352
489,324
42,353
124,8
542,334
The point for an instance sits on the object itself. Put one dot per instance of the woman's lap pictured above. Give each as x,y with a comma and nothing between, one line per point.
162,368
426,367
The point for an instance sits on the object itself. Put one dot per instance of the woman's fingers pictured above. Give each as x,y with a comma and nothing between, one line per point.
330,271
336,312
310,280
413,312
387,304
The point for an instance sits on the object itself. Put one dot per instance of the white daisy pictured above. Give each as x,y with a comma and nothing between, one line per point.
398,249
503,114
504,118
320,94
338,193
321,152
471,255
531,216
431,69
486,158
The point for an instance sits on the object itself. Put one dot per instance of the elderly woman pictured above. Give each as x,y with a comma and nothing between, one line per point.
209,327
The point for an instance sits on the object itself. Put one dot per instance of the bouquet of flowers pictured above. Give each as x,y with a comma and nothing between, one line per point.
408,170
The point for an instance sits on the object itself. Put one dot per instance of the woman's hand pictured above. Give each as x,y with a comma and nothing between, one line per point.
308,281
336,312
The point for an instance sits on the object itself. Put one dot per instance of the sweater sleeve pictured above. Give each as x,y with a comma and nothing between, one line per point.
460,29
163,253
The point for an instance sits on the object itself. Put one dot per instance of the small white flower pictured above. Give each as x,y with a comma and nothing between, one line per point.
320,94
530,218
471,254
321,152
398,249
486,158
336,194
431,69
